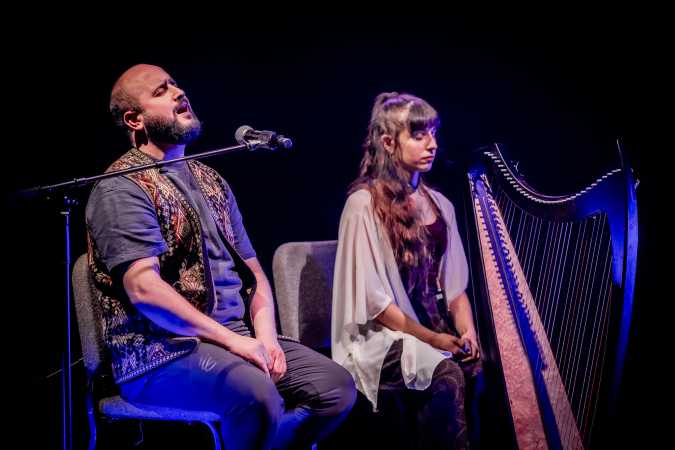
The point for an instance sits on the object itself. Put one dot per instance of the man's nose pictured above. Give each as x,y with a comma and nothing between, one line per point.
179,94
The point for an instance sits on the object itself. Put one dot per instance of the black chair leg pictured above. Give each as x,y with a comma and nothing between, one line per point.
215,433
91,417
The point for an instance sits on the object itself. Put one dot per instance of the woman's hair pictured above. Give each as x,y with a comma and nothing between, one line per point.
382,174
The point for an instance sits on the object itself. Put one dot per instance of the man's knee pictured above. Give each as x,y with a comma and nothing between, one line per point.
262,404
342,396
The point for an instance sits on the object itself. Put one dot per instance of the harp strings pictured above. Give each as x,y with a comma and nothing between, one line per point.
567,265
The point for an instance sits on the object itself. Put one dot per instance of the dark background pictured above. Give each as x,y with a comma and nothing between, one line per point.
556,88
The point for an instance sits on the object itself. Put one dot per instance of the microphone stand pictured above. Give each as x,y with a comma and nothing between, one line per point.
65,210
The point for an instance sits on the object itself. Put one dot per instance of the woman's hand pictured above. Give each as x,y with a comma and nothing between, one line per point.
448,343
470,345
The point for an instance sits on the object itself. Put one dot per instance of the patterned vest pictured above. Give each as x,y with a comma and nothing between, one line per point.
136,344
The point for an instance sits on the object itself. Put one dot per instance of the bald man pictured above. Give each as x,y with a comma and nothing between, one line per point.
169,252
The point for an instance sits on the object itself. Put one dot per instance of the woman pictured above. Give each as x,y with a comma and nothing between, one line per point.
401,318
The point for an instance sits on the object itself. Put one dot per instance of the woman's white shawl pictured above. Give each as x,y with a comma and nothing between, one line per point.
367,280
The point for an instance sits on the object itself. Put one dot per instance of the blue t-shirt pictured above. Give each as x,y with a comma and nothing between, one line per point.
123,222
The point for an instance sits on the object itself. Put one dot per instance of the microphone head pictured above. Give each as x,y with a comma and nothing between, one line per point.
284,142
240,134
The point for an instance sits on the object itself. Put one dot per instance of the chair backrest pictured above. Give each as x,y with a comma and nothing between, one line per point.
303,281
88,313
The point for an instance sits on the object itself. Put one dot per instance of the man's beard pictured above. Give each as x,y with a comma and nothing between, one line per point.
167,131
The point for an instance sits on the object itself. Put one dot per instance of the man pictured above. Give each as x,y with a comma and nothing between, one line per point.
169,252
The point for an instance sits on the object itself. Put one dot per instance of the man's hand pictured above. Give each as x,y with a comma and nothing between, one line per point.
262,316
252,350
277,363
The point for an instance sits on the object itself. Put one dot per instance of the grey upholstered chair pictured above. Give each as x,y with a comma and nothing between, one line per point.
108,406
303,281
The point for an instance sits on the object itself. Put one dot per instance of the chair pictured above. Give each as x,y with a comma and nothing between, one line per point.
303,281
107,406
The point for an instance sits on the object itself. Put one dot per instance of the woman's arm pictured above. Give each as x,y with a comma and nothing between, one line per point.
393,318
460,311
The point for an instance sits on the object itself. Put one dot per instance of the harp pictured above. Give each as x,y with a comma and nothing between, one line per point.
553,294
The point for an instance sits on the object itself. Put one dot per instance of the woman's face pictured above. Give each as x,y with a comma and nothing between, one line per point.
418,149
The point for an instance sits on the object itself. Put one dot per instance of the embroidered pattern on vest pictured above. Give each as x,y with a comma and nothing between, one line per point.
216,193
136,344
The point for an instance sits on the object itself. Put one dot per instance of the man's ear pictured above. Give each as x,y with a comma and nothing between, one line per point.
134,120
388,143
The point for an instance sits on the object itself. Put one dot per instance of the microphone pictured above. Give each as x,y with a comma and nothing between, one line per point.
263,139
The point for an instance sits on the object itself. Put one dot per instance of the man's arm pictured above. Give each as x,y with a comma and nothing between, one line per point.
262,303
263,318
159,302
